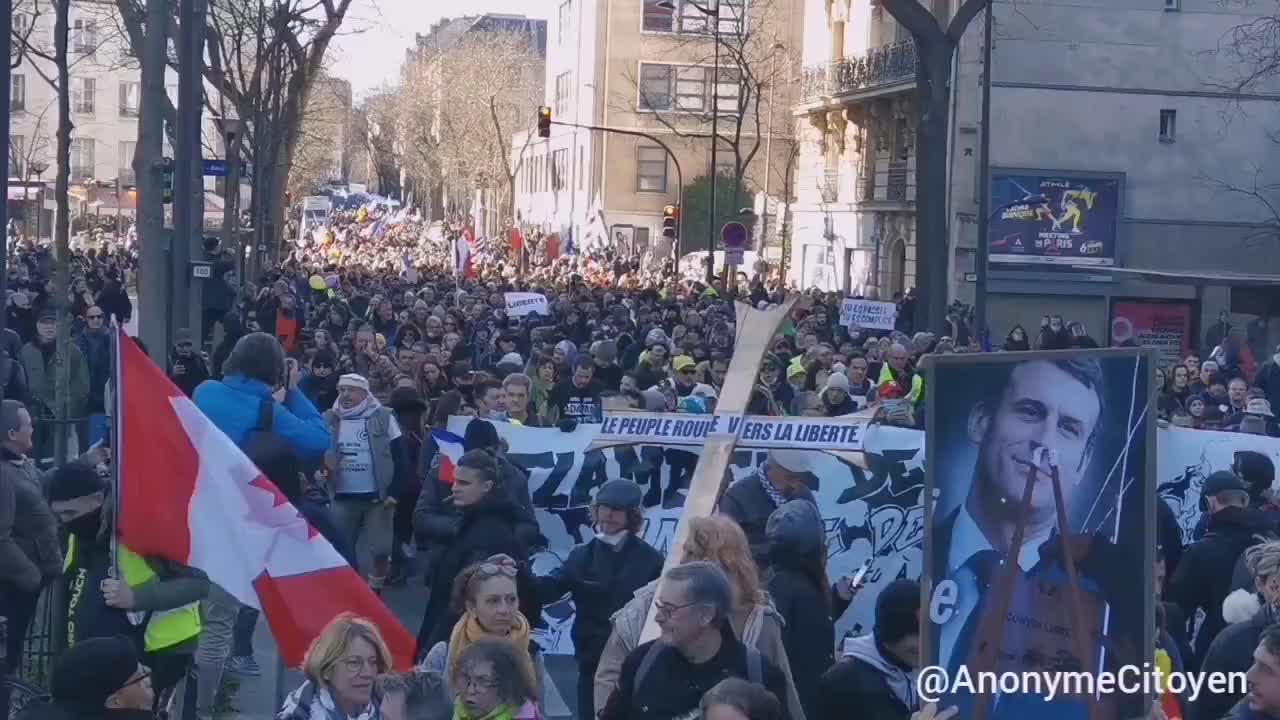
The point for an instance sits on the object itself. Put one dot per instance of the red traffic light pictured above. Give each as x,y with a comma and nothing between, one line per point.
670,221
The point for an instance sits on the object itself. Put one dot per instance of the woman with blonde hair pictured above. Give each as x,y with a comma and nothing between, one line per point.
757,624
340,668
486,596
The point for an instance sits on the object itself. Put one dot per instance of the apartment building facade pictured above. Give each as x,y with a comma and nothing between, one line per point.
1127,187
644,66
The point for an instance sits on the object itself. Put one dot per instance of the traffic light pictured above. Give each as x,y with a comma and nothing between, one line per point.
166,180
671,221
544,122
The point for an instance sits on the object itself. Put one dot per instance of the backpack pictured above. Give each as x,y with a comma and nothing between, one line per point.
755,667
272,455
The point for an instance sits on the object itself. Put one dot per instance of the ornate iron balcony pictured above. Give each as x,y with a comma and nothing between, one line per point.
882,66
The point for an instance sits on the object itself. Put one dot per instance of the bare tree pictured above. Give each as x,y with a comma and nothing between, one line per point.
936,42
323,139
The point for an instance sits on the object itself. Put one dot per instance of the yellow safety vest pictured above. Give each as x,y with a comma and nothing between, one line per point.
166,628
917,382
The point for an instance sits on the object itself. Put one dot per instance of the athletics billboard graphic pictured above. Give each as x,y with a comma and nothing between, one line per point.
1053,219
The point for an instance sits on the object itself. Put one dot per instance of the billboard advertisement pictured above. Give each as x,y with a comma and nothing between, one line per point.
1029,454
1162,326
1053,219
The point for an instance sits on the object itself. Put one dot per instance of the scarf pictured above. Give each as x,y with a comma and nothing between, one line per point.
364,409
309,702
467,631
528,711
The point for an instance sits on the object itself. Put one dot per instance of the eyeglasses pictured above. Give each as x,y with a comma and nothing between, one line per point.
356,664
490,569
666,610
142,677
479,682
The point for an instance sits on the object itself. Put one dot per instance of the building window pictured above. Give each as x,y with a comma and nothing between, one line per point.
1168,125
84,36
21,24
564,86
125,162
17,92
687,88
83,91
687,18
17,152
726,163
651,169
565,16
82,158
130,95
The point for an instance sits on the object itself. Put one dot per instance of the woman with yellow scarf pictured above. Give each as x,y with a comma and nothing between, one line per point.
485,593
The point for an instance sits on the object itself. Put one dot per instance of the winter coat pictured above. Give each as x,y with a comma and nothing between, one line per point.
759,621
233,405
96,348
1231,651
747,503
51,710
1203,578
311,703
865,684
486,528
809,632
194,372
601,580
436,520
1268,379
42,375
673,687
30,551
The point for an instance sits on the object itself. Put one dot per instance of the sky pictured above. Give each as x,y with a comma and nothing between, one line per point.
376,33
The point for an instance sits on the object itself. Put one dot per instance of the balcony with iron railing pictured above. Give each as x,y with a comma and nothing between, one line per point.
878,69
830,185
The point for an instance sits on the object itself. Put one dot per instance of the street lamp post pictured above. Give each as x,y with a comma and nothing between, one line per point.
712,12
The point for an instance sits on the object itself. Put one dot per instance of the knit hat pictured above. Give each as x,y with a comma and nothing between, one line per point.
606,351
897,611
480,435
654,400
48,314
837,381
796,525
353,380
795,369
75,480
655,336
93,670
1219,482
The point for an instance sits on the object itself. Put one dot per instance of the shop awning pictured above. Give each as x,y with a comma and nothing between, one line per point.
1185,277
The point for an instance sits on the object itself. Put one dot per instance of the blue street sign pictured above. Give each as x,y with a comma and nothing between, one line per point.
215,167
734,236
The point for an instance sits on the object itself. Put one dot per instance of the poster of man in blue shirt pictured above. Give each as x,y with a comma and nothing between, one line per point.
1040,496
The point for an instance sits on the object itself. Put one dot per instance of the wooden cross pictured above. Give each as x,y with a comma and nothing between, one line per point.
755,330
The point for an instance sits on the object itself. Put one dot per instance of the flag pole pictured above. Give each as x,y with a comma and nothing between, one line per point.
113,437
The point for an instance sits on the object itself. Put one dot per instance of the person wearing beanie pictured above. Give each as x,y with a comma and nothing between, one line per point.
875,674
372,469
187,369
601,576
320,384
608,372
835,396
38,357
99,679
101,603
797,583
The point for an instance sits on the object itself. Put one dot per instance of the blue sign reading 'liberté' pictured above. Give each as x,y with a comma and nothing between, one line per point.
1053,219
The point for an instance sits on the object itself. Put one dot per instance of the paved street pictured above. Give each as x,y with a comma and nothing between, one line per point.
254,698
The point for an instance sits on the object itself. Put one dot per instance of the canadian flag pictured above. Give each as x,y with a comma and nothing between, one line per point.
450,450
189,495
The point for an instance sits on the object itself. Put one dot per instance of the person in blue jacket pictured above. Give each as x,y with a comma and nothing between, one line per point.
254,371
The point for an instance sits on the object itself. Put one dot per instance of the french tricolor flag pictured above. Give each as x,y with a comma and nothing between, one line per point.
450,450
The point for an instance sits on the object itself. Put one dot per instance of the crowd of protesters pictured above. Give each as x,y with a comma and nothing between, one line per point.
332,369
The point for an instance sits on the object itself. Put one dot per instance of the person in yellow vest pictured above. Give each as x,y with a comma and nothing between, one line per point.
154,602
897,380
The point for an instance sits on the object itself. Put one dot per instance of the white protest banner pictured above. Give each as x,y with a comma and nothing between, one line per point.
871,513
840,434
1185,457
520,304
870,314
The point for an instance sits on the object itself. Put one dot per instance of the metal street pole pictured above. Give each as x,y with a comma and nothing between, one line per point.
188,186
119,204
154,266
6,25
768,154
714,15
984,197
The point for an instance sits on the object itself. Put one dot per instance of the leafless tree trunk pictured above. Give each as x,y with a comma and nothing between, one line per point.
62,230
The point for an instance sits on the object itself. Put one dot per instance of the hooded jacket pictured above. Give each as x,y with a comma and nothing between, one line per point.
798,588
867,684
1231,651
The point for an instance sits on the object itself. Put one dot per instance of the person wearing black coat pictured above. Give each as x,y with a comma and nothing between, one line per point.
798,588
601,576
785,475
487,526
873,679
1204,575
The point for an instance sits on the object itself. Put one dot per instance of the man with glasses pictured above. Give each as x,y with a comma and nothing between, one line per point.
99,677
94,341
666,678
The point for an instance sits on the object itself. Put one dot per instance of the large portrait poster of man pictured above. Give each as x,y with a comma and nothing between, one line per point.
1039,524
